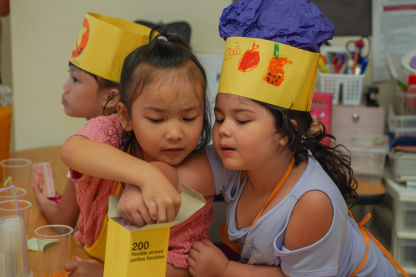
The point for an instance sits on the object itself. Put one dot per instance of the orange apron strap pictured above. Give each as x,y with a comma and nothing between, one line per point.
224,236
97,249
358,269
367,234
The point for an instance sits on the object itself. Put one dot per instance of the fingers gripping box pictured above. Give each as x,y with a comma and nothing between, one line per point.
133,251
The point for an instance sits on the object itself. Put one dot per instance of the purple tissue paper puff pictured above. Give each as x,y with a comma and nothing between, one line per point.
298,23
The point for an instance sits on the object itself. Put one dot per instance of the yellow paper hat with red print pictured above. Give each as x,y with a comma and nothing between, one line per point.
104,42
272,50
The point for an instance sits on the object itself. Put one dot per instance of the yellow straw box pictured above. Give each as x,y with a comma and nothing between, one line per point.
132,251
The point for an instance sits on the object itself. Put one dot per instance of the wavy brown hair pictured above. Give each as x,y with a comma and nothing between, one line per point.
334,158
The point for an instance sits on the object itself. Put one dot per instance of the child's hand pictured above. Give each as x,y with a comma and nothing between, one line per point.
206,260
132,207
161,194
45,204
85,268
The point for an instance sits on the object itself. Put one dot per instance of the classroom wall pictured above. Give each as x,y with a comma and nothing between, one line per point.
43,33
39,39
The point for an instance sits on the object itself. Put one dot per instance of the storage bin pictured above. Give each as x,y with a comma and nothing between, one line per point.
406,103
405,252
405,216
346,89
368,154
403,165
361,120
401,124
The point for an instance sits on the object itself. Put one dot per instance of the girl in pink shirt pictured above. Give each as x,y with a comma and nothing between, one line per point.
161,117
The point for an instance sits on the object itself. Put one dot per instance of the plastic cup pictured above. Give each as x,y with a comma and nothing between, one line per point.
13,247
20,208
21,194
54,243
20,170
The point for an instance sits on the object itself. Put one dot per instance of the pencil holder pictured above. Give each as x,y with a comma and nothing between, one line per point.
346,89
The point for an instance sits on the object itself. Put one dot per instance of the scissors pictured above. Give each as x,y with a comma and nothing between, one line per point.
355,48
338,61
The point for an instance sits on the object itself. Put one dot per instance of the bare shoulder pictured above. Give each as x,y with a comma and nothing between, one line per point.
311,219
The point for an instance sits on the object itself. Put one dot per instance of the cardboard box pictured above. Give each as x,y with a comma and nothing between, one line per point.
133,251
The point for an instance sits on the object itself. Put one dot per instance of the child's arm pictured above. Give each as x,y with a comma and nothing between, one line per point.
194,172
105,161
131,205
66,212
207,260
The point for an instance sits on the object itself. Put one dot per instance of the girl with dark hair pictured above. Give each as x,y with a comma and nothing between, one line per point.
287,194
162,118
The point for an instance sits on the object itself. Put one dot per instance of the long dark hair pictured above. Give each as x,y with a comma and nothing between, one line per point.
333,158
165,50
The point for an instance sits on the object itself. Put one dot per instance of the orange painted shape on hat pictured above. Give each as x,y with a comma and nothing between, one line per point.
275,73
84,40
250,59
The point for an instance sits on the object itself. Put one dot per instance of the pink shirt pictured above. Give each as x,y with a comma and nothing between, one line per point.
92,196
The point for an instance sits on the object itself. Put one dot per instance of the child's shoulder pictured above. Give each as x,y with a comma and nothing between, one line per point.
103,128
103,122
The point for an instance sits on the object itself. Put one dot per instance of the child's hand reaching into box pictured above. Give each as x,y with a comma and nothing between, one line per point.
133,208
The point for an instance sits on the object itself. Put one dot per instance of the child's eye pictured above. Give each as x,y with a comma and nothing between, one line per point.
189,118
219,120
155,120
75,79
243,121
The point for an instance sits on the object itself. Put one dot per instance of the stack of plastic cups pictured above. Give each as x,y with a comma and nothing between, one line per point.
13,246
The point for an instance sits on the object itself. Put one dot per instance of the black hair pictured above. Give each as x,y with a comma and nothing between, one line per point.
334,158
102,84
165,50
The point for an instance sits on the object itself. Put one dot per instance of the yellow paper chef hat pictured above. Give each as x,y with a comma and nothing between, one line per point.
104,42
269,72
272,50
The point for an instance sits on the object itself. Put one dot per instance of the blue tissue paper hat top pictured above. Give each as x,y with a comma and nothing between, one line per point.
298,23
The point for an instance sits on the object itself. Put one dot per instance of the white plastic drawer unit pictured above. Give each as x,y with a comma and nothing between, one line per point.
406,216
357,120
368,153
403,166
406,252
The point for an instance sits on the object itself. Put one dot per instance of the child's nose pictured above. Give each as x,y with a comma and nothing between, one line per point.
224,129
174,132
66,87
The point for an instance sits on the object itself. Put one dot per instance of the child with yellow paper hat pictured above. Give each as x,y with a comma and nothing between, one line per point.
92,89
287,194
161,116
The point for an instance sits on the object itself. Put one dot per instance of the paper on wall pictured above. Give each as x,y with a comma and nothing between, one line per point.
394,33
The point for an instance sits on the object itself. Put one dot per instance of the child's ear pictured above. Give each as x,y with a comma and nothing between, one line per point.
282,140
123,116
111,99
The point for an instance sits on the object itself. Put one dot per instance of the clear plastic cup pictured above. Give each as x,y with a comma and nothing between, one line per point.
14,220
54,242
20,170
21,194
8,208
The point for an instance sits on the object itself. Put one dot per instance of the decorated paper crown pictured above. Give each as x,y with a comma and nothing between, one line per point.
272,50
104,42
